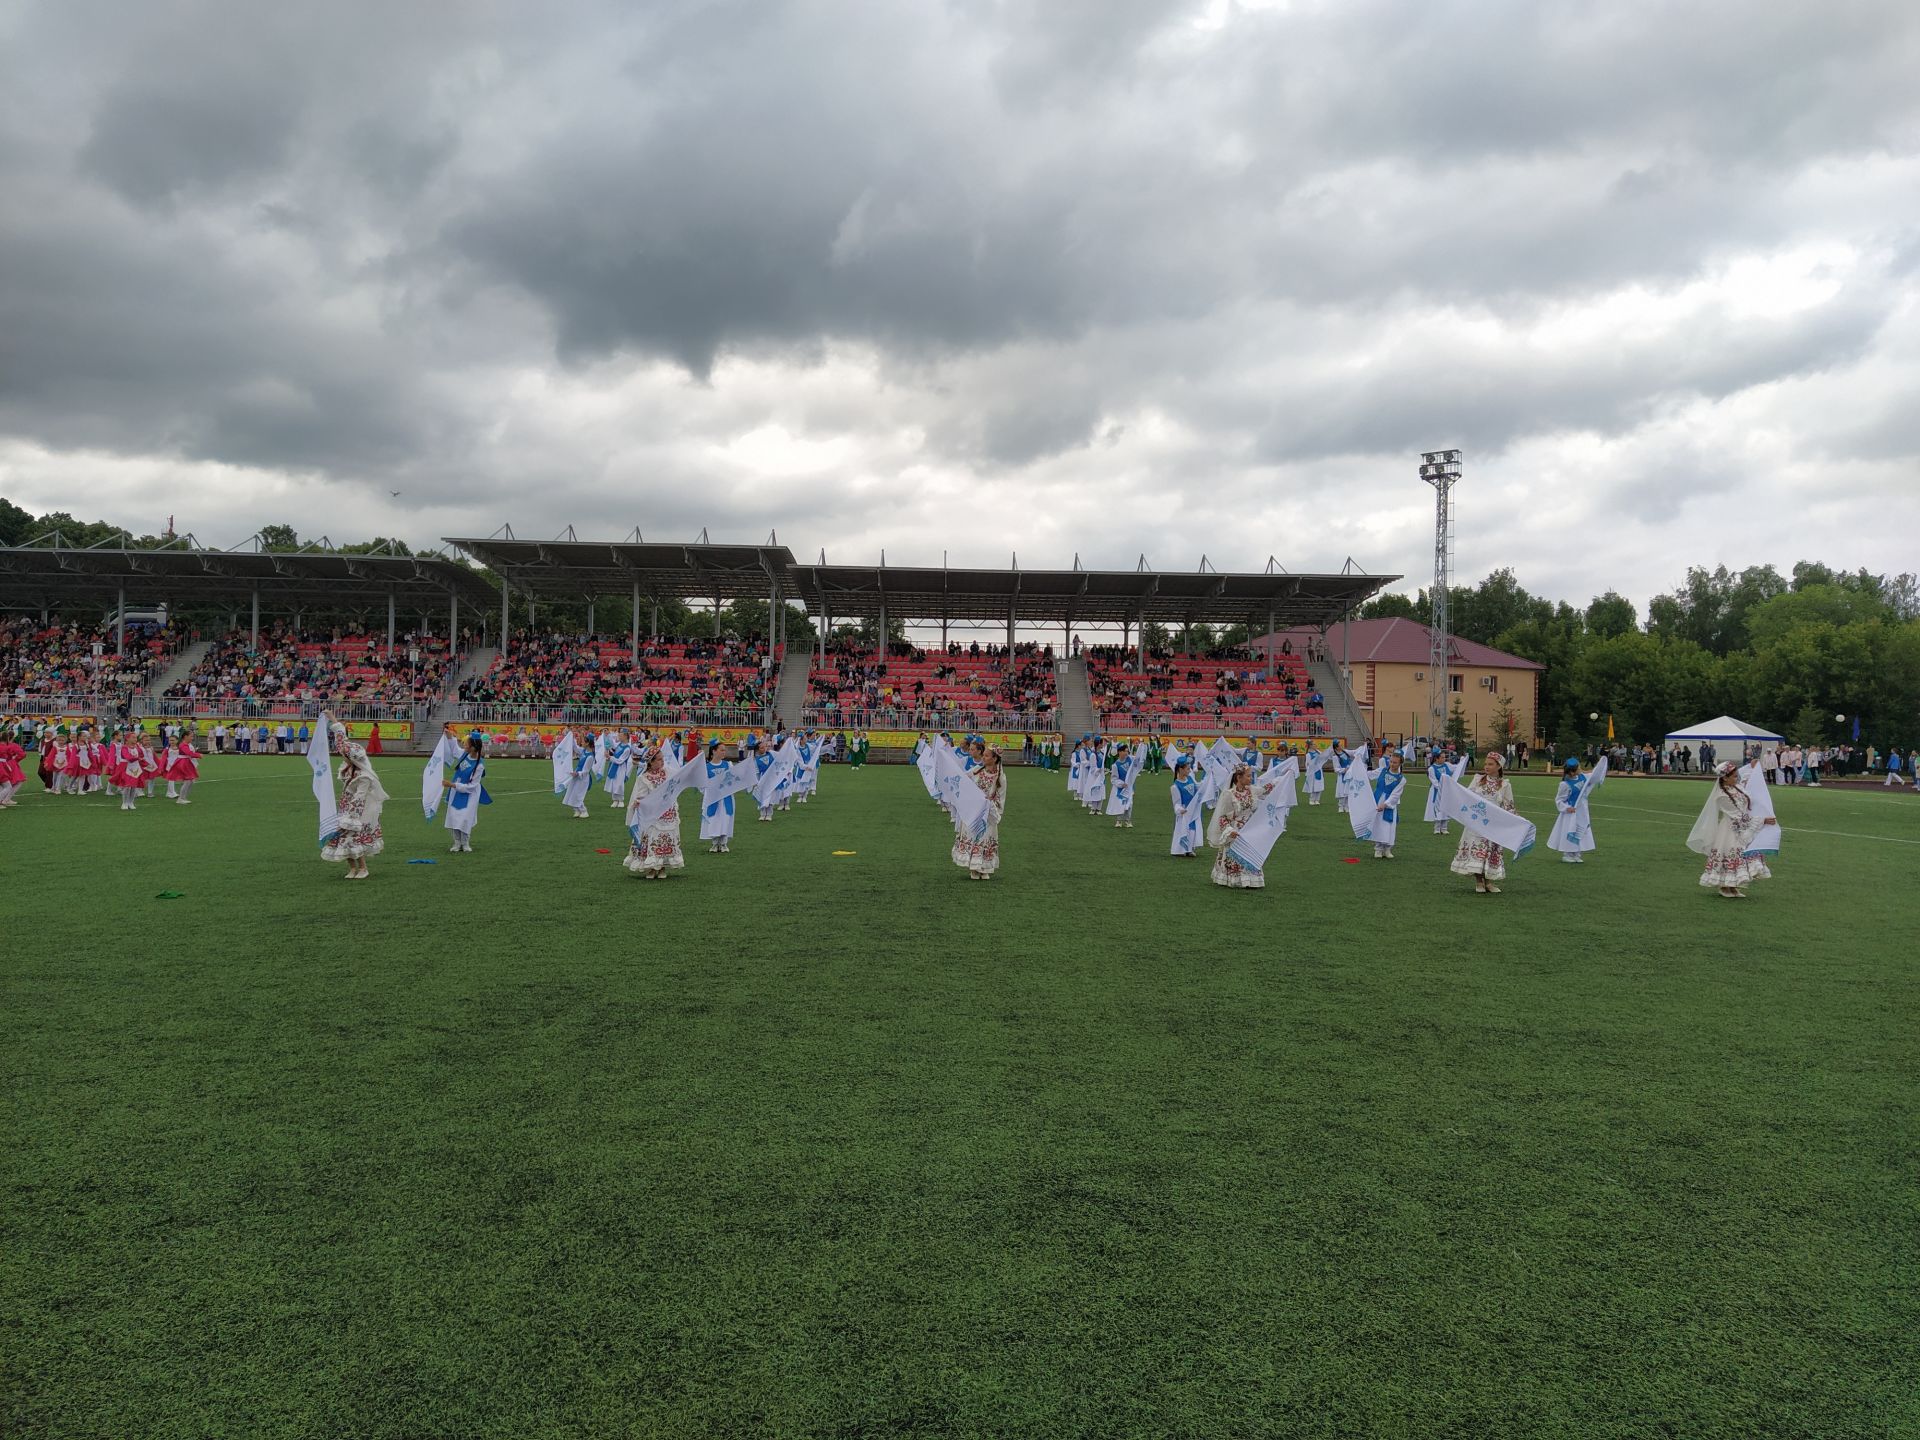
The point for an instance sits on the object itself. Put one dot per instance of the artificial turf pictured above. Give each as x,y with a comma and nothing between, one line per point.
516,1145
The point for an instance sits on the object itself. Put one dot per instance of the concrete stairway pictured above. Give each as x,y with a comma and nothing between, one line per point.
790,693
1344,717
1076,698
448,710
181,667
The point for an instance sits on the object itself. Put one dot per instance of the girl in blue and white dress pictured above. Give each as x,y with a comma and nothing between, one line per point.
1126,772
1342,758
1186,811
579,775
466,793
619,769
1093,777
1441,767
1572,833
716,818
1389,792
1312,764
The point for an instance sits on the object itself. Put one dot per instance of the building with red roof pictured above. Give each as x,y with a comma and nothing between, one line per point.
1387,662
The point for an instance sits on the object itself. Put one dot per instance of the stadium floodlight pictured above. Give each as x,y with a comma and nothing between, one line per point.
1440,469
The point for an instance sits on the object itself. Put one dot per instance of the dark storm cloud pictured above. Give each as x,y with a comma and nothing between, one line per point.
446,247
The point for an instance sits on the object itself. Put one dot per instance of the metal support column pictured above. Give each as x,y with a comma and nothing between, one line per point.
453,622
592,629
883,631
1013,607
506,603
389,624
716,617
656,621
634,638
120,625
253,632
1271,643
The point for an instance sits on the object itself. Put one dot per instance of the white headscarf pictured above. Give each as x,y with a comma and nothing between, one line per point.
355,756
1699,839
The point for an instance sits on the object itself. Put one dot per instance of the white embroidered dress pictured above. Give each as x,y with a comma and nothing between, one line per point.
980,855
1478,855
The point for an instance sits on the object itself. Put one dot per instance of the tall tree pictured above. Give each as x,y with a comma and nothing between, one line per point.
16,525
1391,606
1612,614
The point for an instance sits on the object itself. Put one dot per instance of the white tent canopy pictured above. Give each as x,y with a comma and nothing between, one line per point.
1722,727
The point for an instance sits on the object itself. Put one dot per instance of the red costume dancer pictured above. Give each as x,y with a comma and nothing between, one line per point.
183,768
129,768
70,781
373,740
12,774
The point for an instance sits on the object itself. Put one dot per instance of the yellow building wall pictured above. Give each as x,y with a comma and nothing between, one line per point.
1394,697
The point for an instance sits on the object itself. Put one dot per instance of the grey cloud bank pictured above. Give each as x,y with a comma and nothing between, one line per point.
1112,277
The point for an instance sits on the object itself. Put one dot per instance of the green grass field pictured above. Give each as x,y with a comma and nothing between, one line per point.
515,1145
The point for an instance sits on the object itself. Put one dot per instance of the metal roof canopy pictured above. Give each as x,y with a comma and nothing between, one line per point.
184,573
573,569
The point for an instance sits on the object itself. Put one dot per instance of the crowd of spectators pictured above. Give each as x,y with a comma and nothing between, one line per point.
284,668
550,670
1224,687
970,684
41,661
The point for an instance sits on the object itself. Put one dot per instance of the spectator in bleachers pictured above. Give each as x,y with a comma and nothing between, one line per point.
61,658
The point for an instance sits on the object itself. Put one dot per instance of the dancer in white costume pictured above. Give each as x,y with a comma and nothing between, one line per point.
466,793
1126,773
1093,777
1389,793
1312,765
716,816
1342,758
655,850
979,855
1725,832
1187,812
1477,855
1572,833
573,769
621,752
362,797
1236,806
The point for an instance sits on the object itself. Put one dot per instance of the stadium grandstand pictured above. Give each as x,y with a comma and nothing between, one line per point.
180,629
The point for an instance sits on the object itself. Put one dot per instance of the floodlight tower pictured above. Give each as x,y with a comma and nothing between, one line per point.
1440,469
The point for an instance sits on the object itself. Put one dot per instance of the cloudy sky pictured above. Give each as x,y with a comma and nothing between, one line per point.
1100,277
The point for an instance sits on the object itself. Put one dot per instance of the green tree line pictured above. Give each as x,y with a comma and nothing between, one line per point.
1788,651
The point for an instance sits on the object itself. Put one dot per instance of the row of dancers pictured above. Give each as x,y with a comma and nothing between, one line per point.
644,776
1250,801
119,761
1251,796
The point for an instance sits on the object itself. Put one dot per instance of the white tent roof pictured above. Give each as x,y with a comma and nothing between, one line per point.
1722,727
